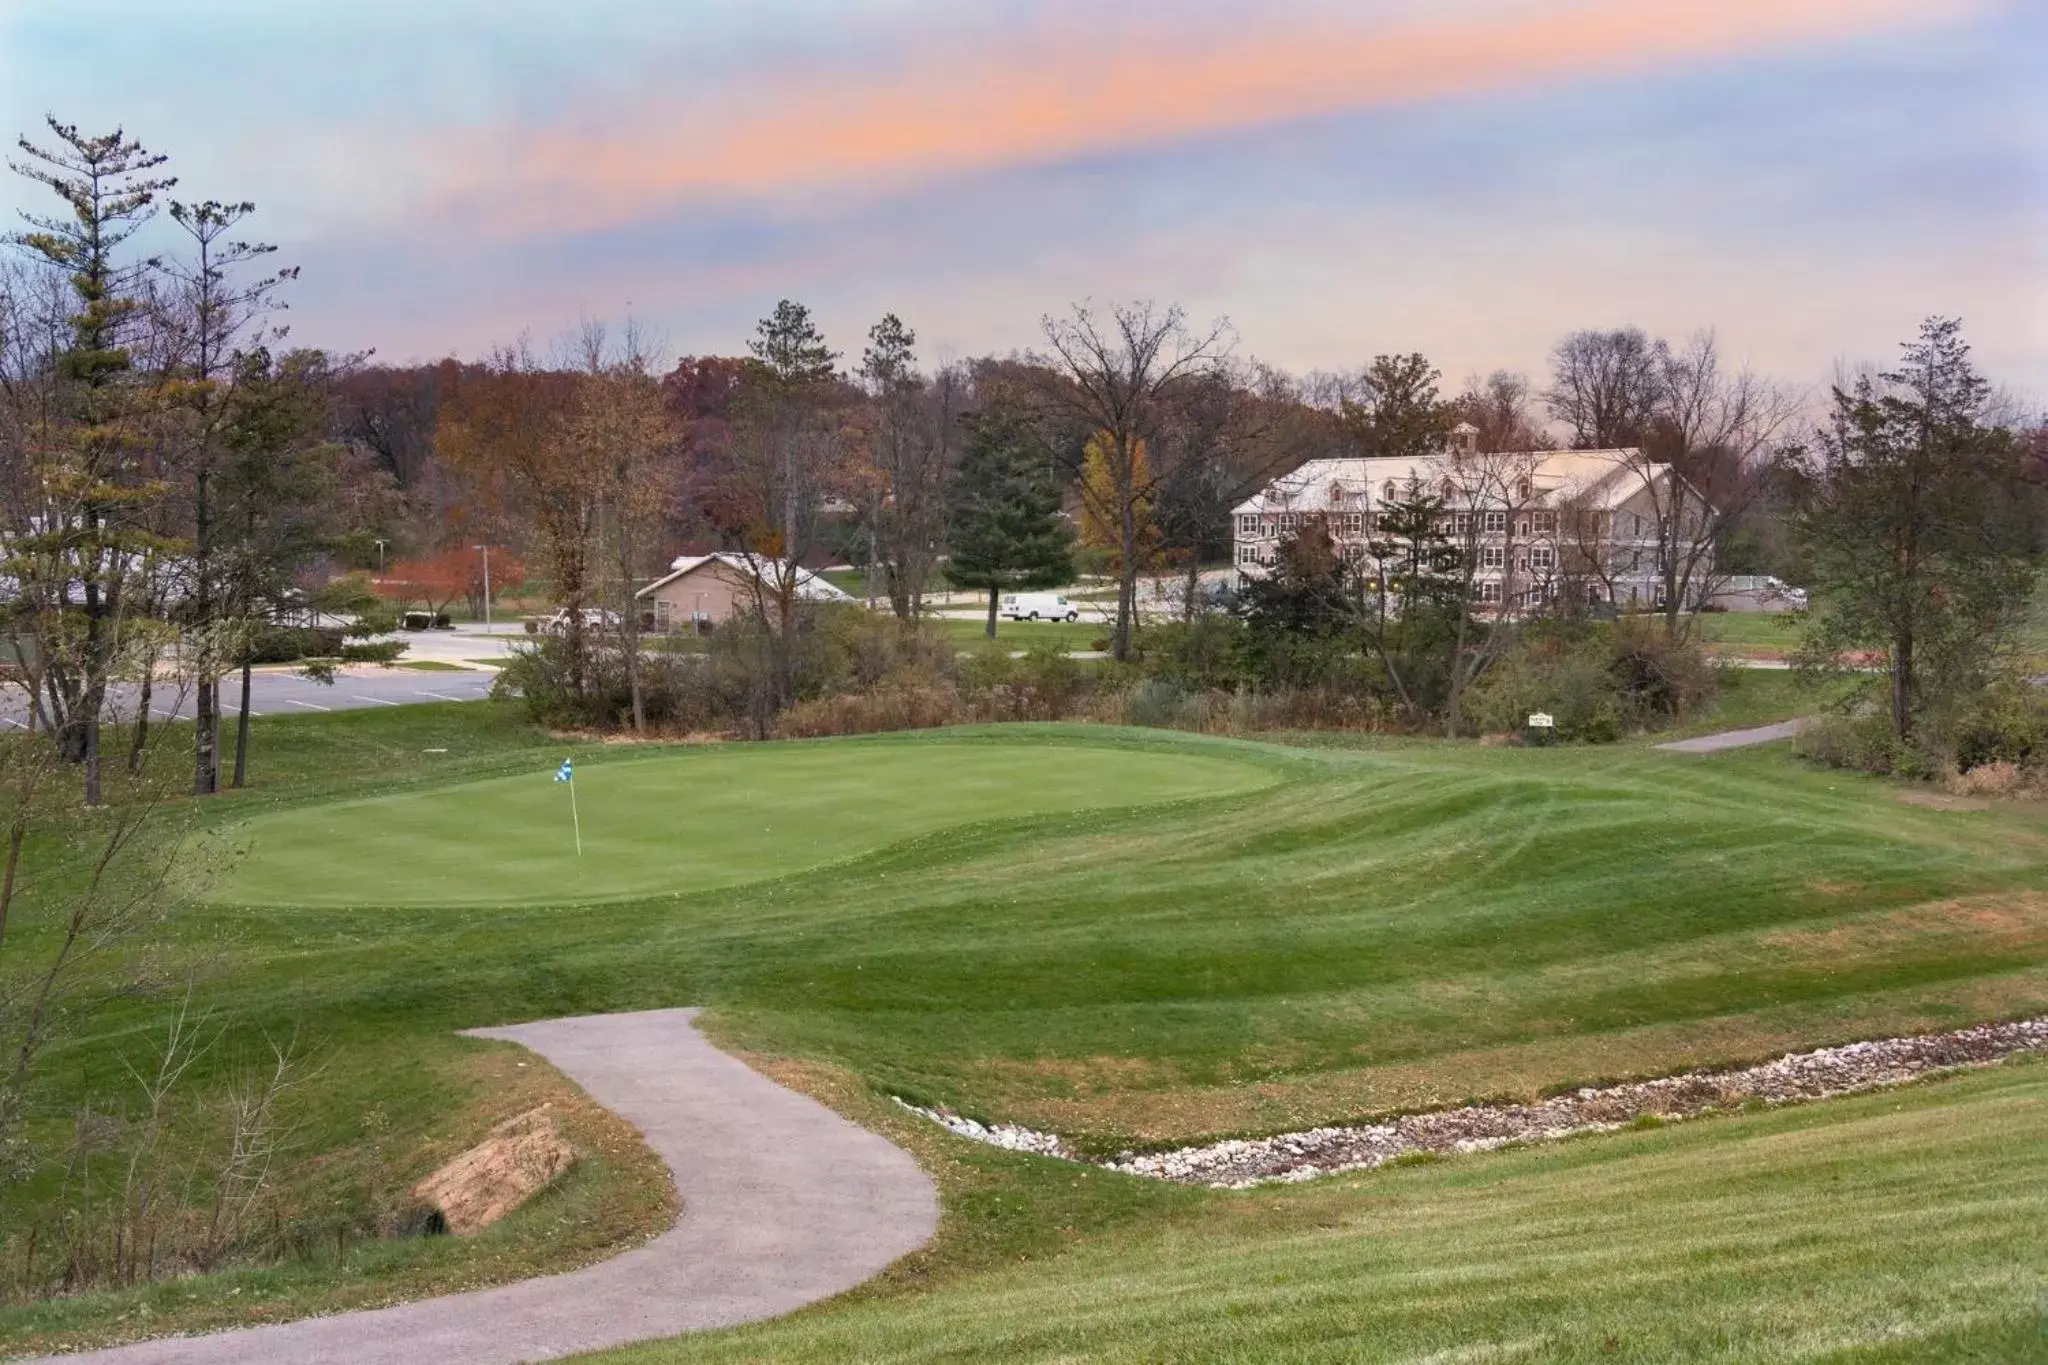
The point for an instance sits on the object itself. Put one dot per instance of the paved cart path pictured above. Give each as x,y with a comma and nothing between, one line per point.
1734,739
784,1203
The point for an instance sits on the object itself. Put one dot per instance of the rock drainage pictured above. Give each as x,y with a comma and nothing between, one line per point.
1291,1157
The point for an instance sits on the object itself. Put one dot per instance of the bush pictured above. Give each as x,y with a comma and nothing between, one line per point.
381,652
1599,682
1860,743
289,644
2005,723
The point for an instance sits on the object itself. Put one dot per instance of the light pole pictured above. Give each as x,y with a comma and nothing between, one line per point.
487,585
380,544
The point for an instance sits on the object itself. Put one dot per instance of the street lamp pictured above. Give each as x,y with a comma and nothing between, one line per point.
487,585
380,544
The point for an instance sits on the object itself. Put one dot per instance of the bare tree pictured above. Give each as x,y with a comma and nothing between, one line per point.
1501,408
1492,506
1120,375
1608,387
912,450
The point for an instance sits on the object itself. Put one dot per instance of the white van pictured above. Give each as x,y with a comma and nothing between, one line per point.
1038,606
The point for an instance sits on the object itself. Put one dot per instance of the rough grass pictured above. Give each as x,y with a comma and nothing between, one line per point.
1910,1226
1386,924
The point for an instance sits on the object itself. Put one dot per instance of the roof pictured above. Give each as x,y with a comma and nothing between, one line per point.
1604,478
809,586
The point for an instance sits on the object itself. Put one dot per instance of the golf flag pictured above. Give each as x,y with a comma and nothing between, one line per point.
567,773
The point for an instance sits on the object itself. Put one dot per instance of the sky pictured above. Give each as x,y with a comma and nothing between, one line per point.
1339,178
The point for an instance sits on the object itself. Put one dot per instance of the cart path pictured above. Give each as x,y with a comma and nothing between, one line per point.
1734,739
784,1203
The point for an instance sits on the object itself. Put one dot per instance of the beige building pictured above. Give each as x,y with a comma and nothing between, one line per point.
1599,525
700,591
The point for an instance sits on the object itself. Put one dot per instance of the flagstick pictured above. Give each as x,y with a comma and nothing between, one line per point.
574,816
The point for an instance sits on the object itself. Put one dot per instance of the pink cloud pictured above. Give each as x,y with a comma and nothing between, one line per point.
1084,85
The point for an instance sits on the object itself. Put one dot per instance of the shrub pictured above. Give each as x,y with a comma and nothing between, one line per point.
1860,743
1600,682
2005,723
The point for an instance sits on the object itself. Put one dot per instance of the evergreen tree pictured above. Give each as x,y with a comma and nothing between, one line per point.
1299,618
1411,601
1919,542
1006,528
75,562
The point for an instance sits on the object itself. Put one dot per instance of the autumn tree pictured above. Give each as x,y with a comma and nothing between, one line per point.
1005,527
1119,377
1921,548
624,437
503,426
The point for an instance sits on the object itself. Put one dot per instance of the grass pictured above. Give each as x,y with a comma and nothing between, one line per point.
1753,634
1057,932
1074,635
430,666
690,822
1902,1227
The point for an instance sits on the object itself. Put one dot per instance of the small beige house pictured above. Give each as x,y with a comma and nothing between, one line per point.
700,591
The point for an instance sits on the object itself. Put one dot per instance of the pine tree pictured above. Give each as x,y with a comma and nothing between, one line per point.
1918,544
1006,528
93,527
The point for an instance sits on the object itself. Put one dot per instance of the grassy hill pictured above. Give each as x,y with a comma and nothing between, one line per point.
1137,937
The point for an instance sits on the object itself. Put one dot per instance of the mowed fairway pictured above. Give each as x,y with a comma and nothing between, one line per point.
683,822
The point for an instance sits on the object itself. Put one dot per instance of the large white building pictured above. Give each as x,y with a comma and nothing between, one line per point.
1535,525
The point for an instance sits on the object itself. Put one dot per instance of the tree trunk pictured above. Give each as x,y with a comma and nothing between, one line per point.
1902,686
140,743
1127,578
206,722
242,730
994,596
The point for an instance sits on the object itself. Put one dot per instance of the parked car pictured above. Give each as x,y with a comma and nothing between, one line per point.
1038,606
596,620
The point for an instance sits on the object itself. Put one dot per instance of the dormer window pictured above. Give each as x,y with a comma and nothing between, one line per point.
1387,492
1522,490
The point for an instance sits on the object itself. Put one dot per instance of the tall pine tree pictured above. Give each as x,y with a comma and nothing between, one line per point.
1006,530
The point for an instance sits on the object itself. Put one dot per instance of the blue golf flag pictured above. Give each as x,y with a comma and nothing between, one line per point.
567,772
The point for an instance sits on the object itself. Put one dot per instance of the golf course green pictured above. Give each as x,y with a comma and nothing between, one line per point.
683,822
1136,937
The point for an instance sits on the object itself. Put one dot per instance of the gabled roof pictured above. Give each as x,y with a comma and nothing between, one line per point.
809,586
1602,478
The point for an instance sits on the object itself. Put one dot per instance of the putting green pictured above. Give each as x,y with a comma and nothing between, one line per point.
685,822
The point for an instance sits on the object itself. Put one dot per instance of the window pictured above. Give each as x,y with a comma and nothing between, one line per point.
1247,554
1354,554
1248,525
1288,521
1387,490
1522,490
1542,557
1489,592
1461,524
1354,523
662,608
1492,557
1496,523
1545,523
